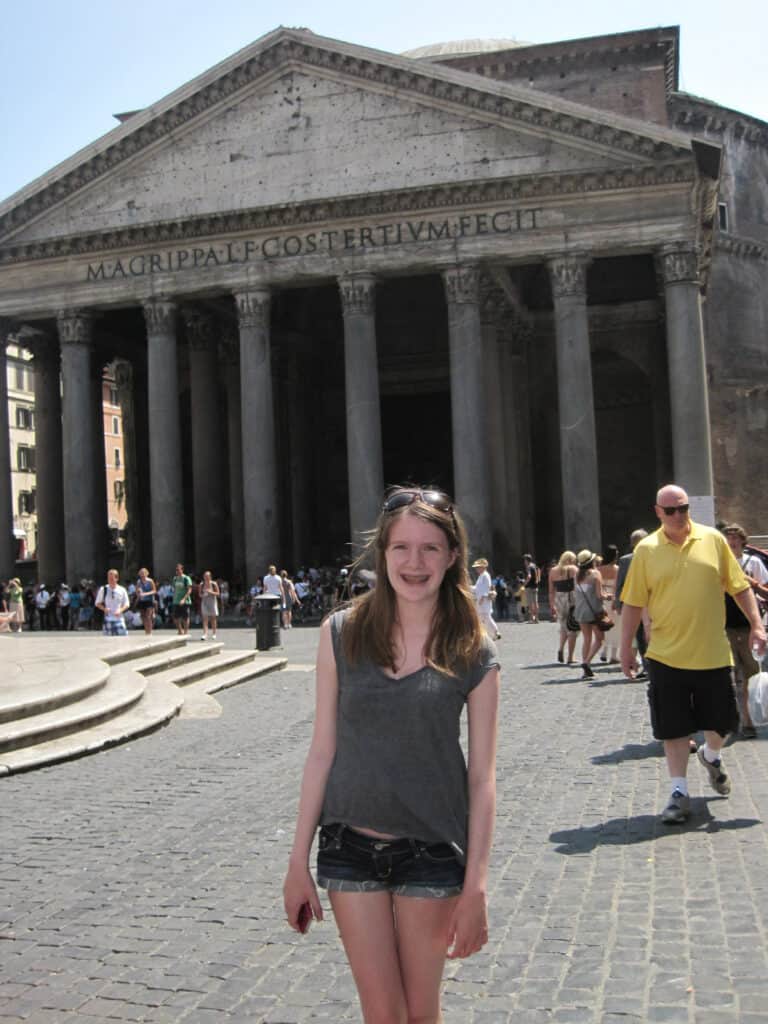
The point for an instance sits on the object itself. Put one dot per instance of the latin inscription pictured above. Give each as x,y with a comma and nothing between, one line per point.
275,247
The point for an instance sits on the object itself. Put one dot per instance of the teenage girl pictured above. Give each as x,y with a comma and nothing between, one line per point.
405,826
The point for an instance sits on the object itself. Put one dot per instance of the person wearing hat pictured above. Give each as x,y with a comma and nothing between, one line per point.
16,604
737,624
483,591
587,604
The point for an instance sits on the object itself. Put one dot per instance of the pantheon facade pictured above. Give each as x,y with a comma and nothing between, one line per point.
531,275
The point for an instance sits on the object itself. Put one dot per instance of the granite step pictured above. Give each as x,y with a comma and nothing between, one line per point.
152,662
28,694
205,668
140,647
124,689
235,674
159,703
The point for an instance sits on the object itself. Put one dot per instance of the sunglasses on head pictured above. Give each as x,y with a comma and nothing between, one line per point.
407,496
670,510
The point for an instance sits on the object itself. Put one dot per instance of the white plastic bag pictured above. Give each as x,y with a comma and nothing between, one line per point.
757,698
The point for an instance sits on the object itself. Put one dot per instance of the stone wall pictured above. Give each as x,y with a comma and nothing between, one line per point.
736,310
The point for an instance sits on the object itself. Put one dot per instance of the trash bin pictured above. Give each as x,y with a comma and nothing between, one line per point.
266,616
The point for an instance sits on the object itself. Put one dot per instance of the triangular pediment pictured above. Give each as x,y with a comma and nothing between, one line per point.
296,118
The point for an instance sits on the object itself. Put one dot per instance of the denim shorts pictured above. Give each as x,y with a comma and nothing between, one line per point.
349,861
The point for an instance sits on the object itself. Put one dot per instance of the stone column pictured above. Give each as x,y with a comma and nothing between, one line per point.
100,508
207,455
230,356
469,406
165,473
522,336
578,443
512,389
299,468
51,565
492,308
7,540
79,447
134,552
689,400
260,503
365,472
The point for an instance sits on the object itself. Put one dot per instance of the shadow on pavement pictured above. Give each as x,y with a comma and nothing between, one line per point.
631,752
644,828
561,680
611,680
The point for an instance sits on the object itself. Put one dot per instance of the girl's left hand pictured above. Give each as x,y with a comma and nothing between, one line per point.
468,931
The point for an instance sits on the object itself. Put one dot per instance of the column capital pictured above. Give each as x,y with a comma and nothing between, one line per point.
568,274
358,294
123,370
159,314
199,328
462,284
75,326
493,303
679,262
253,307
229,347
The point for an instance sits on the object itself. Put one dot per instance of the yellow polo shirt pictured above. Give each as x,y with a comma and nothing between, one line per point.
683,589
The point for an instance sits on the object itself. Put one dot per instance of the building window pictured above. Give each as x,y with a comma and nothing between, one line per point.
25,459
722,216
119,486
112,395
24,418
115,425
27,503
117,458
20,378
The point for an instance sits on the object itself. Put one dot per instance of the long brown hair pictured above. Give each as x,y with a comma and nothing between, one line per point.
456,635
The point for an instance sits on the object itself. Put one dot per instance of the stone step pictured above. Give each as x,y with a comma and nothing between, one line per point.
150,663
159,703
124,689
22,697
258,665
141,647
205,668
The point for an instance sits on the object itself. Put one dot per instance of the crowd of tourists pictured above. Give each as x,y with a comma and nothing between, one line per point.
184,600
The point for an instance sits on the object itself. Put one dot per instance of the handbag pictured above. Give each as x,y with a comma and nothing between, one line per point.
571,623
603,620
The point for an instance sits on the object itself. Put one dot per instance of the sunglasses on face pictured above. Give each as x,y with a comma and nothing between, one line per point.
670,511
407,496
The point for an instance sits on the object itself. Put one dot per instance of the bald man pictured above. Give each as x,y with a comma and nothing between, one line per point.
680,573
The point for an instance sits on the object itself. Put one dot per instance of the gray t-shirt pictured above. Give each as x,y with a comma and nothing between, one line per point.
399,767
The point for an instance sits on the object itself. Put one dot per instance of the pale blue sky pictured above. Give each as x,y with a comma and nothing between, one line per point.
67,67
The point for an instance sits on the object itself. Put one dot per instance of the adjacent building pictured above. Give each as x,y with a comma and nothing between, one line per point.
532,275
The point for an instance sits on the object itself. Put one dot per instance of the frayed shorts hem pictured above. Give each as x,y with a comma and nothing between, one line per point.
430,892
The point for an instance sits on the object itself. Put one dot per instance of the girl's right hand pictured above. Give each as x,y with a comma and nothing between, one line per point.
299,888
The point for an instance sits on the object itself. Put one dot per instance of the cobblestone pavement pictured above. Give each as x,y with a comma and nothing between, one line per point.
143,883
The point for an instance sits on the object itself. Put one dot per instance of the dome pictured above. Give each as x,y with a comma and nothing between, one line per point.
462,48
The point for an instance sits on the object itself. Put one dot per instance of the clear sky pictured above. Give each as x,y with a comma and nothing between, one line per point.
66,66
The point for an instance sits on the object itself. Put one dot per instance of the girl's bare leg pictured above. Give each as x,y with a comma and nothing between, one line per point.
366,924
422,927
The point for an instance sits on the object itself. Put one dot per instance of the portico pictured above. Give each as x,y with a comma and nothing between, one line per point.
444,321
